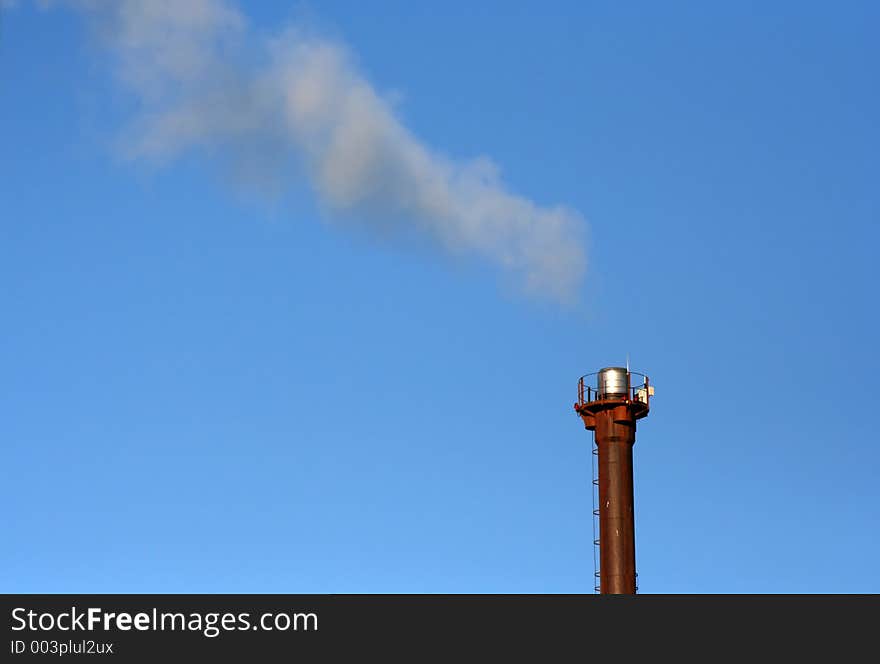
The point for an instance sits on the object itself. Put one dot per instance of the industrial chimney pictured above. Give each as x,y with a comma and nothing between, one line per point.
609,402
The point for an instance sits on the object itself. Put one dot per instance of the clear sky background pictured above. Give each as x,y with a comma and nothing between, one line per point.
201,391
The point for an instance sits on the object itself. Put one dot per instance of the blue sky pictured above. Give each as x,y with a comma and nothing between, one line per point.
204,390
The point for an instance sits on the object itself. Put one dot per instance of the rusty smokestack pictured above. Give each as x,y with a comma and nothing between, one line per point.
609,402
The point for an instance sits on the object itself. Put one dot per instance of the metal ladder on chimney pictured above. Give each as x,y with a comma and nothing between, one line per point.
594,491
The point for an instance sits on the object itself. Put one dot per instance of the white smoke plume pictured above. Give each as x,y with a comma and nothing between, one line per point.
206,79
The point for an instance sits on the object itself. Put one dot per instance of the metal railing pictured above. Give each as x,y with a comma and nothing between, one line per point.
589,393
